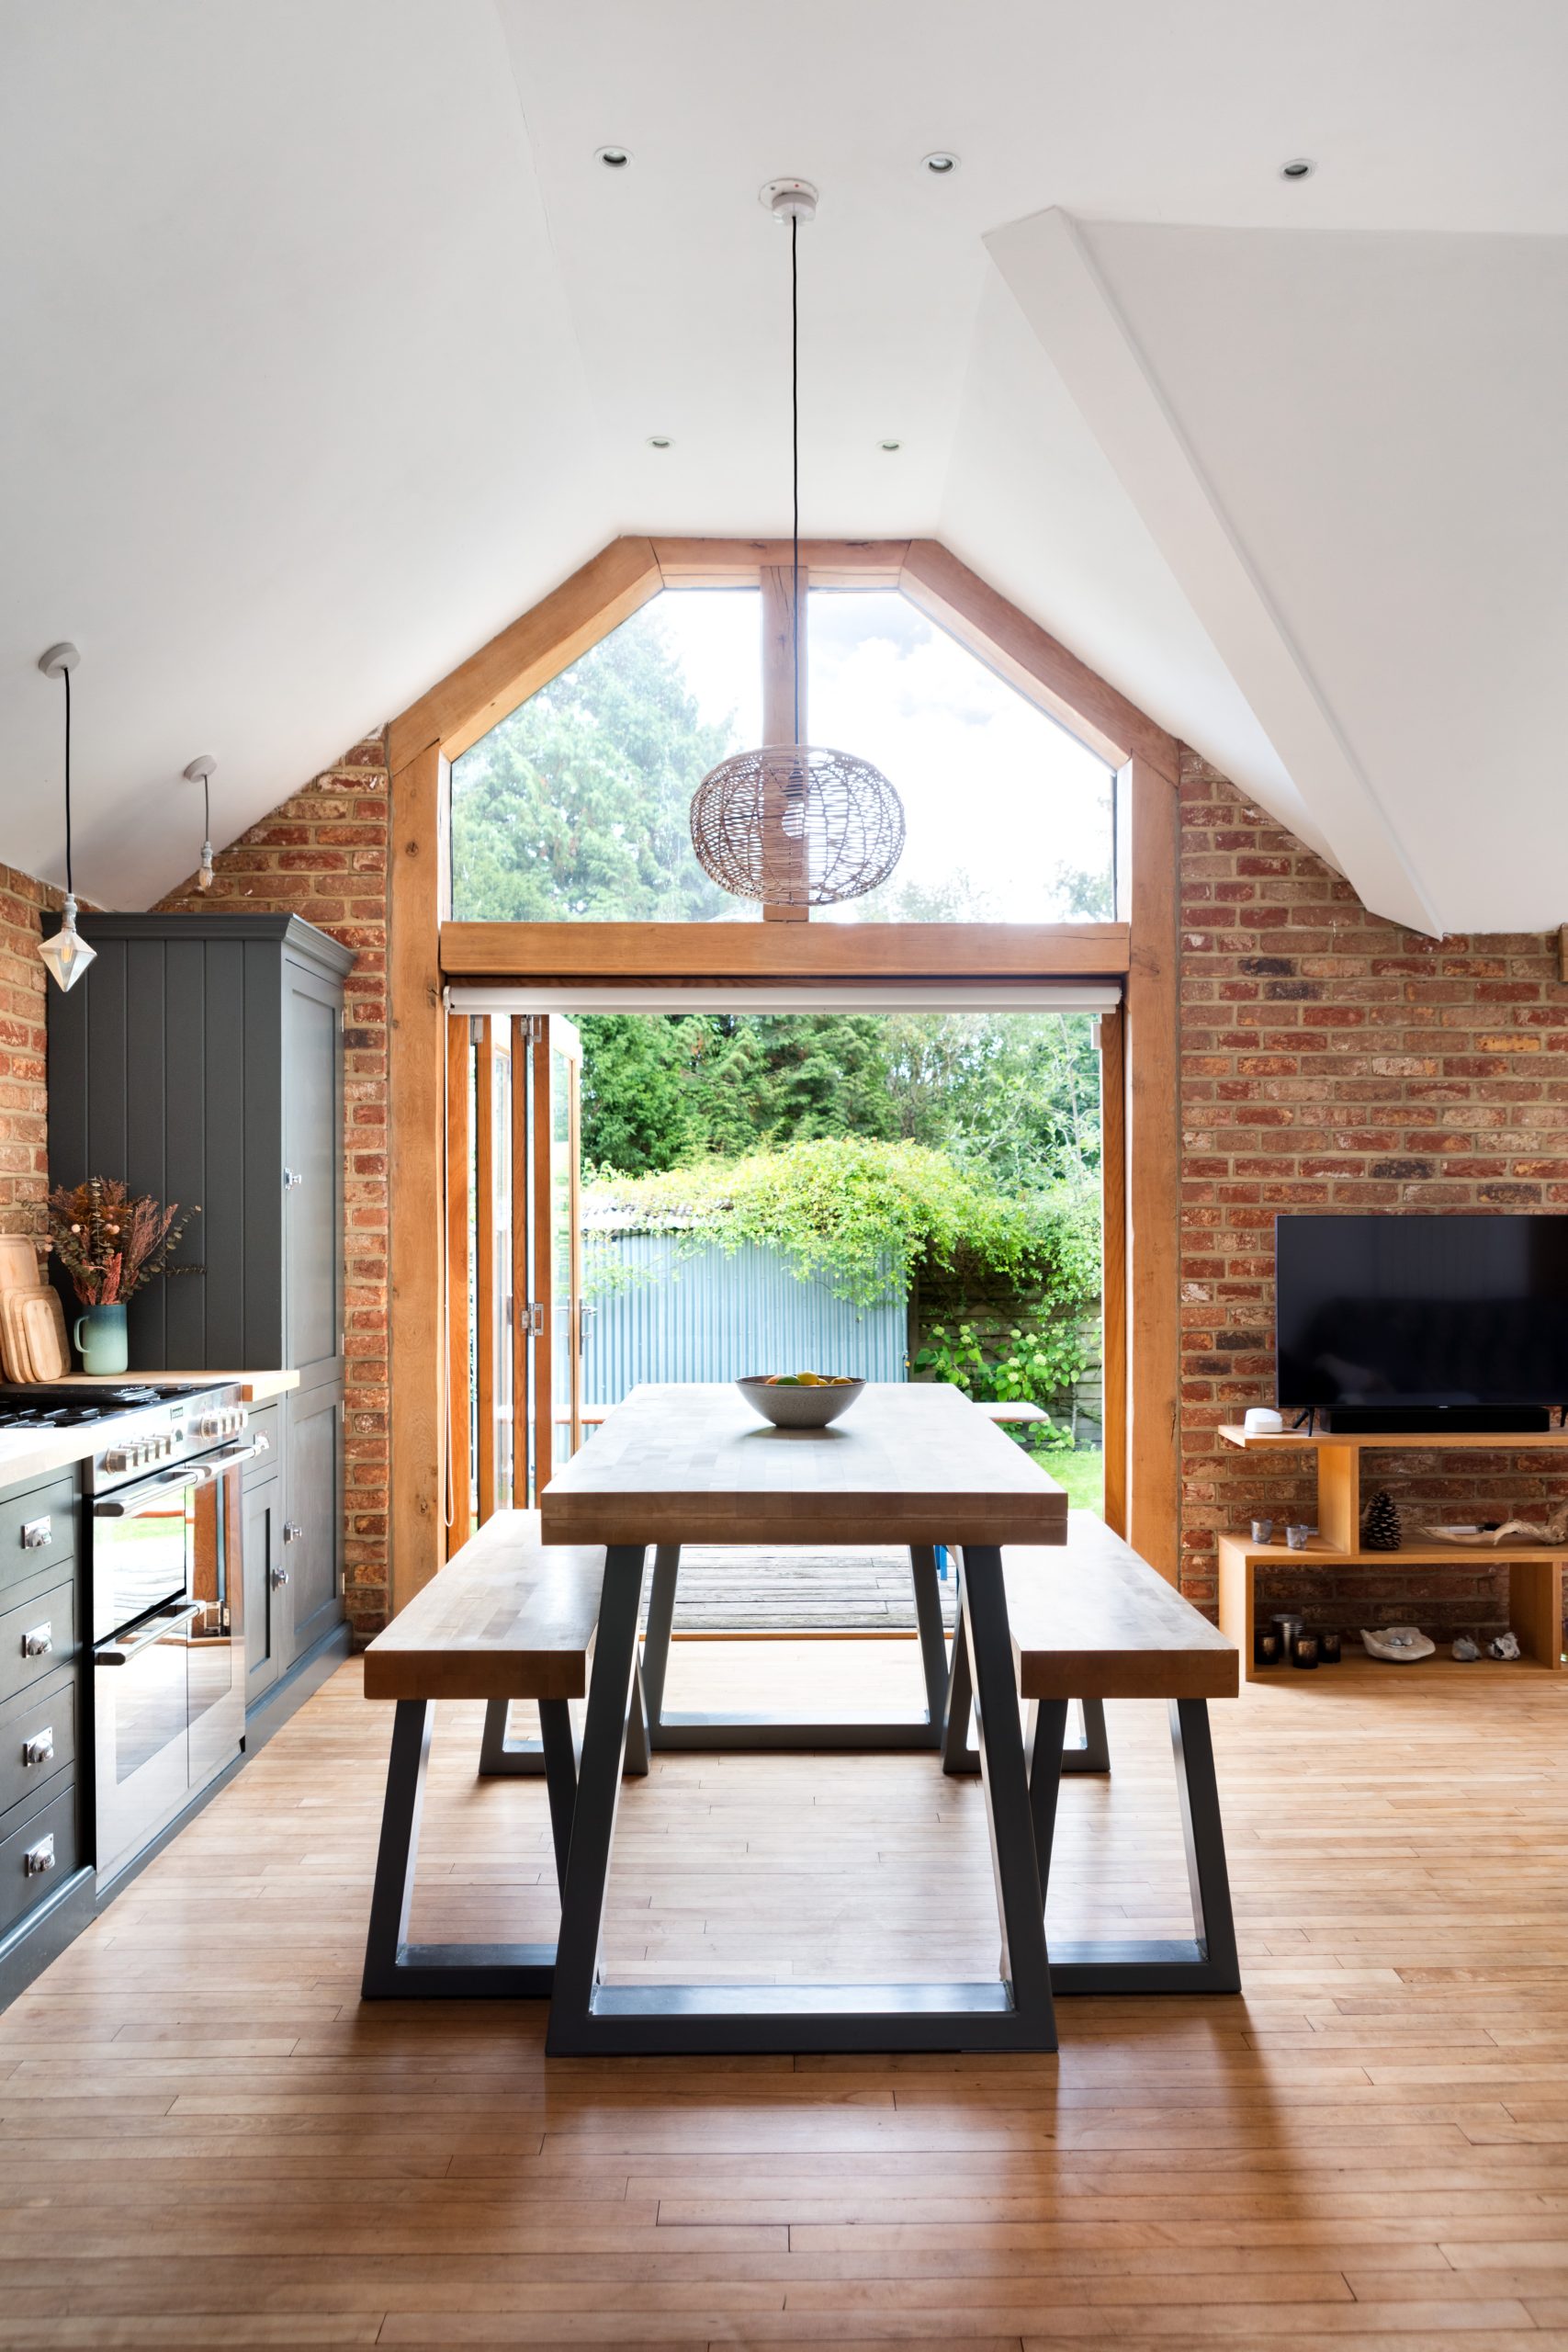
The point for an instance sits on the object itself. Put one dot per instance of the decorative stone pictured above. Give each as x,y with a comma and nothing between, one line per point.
1504,1646
1399,1644
1465,1649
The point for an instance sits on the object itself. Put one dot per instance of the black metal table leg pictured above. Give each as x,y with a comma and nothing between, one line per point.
1094,1755
785,1735
1013,2012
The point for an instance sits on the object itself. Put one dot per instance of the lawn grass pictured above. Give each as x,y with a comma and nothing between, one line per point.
1081,1473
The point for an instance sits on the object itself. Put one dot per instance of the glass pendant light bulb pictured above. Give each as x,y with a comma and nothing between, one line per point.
67,954
201,772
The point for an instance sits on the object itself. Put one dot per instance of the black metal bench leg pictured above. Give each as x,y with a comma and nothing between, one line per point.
1207,1964
1094,1755
1203,1834
395,1969
504,1759
638,1731
1047,1728
928,1617
660,1627
559,1745
957,1757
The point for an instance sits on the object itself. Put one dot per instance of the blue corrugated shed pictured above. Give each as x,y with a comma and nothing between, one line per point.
717,1315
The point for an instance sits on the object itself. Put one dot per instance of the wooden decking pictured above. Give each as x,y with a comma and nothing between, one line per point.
863,1587
206,2141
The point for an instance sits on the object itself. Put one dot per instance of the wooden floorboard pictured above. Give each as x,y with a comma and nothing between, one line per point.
206,2141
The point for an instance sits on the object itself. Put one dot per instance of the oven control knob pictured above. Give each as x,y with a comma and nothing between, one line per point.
119,1458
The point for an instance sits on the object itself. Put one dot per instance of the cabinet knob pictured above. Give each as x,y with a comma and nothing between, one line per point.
39,1749
292,1531
280,1576
39,1642
39,1858
292,1179
36,1534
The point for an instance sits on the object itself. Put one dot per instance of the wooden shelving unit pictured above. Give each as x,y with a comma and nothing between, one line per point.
1535,1574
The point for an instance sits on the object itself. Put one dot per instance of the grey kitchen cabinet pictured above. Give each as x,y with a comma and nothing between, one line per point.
201,1060
261,1509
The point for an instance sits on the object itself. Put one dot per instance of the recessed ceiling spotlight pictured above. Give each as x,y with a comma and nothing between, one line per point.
889,446
614,159
941,163
660,441
1300,167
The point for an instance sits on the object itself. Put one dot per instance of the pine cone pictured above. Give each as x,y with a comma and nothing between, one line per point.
1381,1530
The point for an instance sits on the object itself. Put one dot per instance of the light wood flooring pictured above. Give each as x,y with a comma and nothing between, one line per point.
206,2141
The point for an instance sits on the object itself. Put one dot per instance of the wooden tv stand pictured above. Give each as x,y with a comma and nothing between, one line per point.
1535,1571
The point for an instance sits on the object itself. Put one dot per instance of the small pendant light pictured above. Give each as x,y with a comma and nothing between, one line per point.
793,824
67,954
200,772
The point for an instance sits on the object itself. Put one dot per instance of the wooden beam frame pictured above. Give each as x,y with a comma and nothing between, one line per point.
757,953
425,947
459,1334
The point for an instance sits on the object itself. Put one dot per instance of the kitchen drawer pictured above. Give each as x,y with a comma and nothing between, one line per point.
264,1421
37,1528
52,1829
50,1614
46,1714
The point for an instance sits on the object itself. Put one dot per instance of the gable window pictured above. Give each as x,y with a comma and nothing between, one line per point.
574,808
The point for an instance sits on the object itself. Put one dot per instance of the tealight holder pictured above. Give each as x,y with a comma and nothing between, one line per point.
1304,1654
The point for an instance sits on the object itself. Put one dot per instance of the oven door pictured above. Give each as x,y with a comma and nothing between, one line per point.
169,1709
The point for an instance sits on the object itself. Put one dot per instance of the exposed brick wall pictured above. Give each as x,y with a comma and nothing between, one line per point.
23,1100
322,855
1331,1060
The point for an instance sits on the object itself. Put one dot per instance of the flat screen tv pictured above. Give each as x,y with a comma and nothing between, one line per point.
1423,1314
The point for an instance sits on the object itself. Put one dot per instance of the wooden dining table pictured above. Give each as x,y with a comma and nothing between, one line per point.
912,1464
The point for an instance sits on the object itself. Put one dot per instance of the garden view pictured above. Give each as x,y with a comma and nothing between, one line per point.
951,1159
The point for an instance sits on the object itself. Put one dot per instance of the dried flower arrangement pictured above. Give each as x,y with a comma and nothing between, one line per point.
113,1242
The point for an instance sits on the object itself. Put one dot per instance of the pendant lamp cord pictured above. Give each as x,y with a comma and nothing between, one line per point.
70,886
207,809
794,462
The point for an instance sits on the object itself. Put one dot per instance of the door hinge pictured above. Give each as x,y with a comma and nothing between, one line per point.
477,1026
534,1319
532,1026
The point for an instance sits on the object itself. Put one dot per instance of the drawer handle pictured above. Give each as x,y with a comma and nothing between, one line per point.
39,1858
36,1534
39,1642
39,1749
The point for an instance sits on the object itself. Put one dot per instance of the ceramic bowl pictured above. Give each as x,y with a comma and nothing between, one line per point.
798,1408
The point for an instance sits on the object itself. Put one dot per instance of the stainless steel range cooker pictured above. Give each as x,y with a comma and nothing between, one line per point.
161,1497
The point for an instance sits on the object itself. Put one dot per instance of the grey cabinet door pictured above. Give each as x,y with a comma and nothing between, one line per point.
261,1511
313,1158
313,1550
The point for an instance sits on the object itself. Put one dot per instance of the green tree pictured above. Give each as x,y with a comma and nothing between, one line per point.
577,805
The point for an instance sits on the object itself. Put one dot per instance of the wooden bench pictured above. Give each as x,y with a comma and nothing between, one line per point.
1094,1622
506,1618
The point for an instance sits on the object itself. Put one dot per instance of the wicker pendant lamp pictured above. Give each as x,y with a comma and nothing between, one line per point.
795,824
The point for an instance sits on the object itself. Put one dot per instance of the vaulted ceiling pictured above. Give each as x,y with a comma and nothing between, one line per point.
329,347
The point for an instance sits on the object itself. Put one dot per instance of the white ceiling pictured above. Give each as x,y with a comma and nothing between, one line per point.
330,348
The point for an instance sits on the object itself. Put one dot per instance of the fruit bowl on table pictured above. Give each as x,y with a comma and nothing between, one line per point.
800,1401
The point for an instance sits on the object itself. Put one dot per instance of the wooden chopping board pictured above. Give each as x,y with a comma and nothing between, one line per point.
43,1319
19,1262
14,1353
